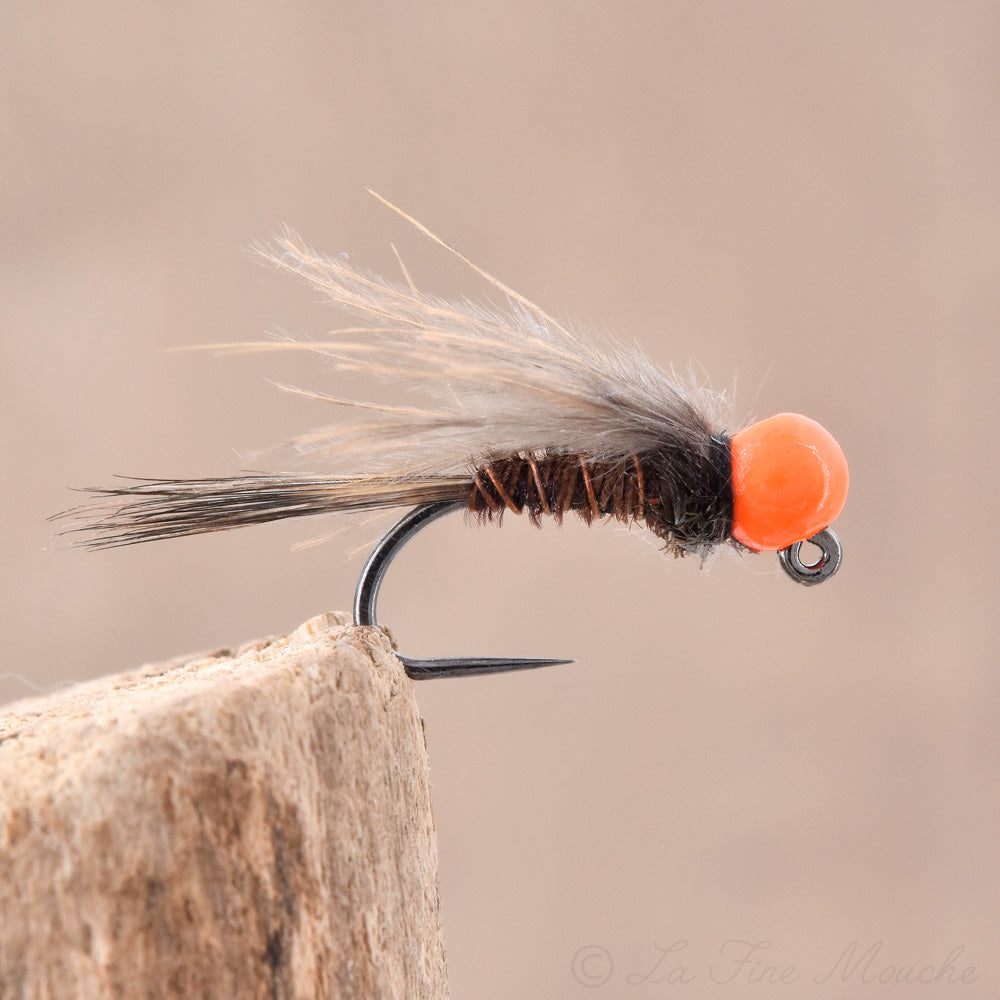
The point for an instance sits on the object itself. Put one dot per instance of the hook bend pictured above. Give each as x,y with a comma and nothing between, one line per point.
370,582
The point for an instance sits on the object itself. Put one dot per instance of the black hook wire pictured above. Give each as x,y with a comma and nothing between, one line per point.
370,581
809,574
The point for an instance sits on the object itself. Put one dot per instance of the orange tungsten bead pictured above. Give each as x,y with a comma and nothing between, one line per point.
789,481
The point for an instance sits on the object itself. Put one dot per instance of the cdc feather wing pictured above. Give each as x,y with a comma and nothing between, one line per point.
500,380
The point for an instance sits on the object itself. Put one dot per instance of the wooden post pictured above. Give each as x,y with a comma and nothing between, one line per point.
232,826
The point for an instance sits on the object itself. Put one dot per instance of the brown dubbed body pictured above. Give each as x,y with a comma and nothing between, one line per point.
685,500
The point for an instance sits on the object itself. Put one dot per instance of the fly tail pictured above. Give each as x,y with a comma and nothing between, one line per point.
146,510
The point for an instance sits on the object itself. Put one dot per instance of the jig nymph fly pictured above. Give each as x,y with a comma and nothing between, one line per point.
528,417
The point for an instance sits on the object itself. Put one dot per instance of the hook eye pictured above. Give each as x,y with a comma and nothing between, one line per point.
809,574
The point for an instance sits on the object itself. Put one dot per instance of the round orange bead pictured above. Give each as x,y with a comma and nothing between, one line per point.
789,481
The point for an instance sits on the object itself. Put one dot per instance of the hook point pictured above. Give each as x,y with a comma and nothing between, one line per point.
419,670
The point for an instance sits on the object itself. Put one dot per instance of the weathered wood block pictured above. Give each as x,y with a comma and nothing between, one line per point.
231,826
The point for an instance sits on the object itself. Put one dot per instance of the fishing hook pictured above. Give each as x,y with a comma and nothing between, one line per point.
388,547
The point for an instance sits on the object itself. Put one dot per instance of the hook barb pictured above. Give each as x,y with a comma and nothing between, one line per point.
370,582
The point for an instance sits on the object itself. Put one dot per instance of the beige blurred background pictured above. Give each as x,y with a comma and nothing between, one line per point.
802,197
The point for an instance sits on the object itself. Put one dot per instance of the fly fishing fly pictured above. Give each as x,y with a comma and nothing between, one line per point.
528,417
